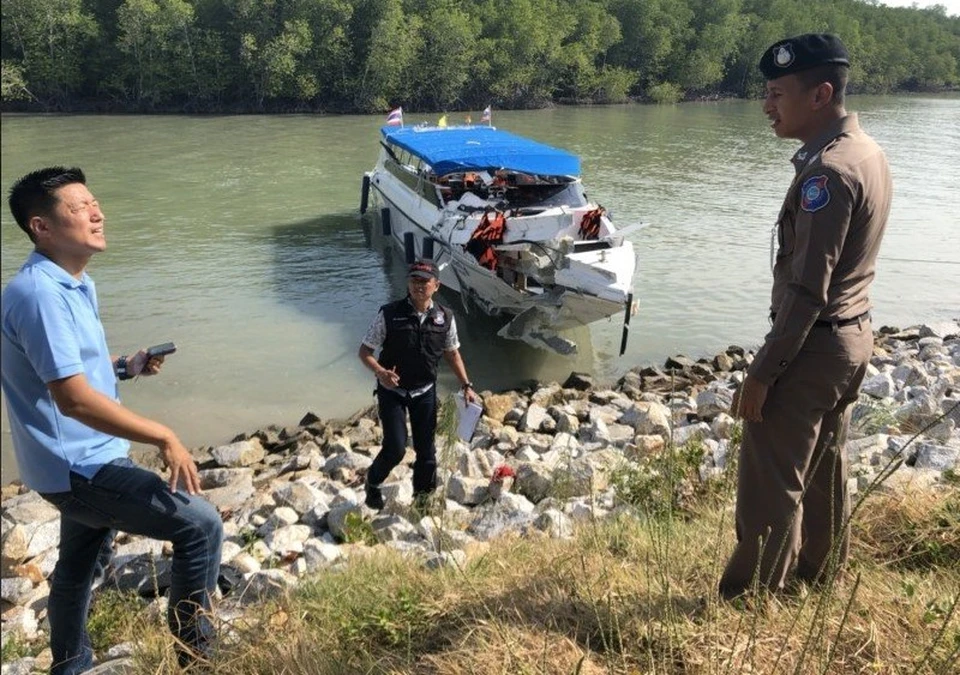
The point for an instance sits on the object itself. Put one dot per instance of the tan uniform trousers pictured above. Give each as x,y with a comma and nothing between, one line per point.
792,504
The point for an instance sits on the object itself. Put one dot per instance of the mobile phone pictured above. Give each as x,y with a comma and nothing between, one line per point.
161,350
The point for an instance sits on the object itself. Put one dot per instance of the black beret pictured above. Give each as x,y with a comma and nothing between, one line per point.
801,53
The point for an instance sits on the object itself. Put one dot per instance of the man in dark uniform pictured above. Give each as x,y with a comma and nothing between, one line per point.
792,504
412,334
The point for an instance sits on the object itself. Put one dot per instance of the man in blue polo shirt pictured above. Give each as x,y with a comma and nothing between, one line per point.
71,433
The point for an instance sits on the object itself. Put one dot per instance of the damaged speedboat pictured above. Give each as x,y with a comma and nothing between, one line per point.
508,223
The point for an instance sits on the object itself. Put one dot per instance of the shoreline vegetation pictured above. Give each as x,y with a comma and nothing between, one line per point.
369,56
582,530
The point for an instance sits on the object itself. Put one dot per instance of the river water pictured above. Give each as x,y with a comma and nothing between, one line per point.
239,239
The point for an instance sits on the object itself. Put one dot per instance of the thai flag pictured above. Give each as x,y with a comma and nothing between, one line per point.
485,115
395,118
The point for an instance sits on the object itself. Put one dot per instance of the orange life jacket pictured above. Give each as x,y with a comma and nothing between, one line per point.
590,224
489,233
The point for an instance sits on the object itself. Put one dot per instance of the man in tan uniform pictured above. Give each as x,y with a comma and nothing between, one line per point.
792,503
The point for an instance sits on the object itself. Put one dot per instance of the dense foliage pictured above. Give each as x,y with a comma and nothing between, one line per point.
369,55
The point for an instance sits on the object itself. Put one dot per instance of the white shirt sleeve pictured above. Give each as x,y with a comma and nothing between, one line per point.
453,340
376,333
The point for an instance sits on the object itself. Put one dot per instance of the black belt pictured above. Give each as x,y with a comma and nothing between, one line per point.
833,323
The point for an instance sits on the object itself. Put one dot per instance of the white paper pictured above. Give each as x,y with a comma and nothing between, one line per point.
468,415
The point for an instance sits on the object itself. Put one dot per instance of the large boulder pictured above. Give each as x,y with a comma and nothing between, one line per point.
31,526
648,417
299,496
241,453
534,418
534,480
467,491
713,402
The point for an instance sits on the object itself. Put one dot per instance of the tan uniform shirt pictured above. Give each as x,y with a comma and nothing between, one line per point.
829,232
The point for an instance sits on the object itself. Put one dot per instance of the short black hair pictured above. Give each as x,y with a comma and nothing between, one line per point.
34,193
834,73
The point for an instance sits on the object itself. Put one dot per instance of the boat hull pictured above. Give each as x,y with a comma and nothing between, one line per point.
410,215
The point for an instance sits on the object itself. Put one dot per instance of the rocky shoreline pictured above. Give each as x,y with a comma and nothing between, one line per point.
542,459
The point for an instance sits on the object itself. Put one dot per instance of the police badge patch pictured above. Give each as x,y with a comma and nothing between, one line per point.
439,319
783,55
814,194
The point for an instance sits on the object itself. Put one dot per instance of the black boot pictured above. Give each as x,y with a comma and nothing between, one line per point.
374,498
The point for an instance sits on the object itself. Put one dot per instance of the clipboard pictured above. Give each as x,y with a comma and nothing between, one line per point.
468,414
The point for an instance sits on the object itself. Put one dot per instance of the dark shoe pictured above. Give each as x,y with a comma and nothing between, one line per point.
374,498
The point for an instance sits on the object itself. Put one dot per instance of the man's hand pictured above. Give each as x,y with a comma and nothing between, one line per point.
141,364
182,467
749,399
469,395
388,378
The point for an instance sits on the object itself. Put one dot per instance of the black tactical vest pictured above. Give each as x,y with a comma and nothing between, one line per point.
414,348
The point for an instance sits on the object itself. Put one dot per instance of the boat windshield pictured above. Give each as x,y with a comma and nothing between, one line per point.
569,194
516,189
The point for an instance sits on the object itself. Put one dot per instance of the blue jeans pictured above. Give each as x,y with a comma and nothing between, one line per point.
122,496
423,423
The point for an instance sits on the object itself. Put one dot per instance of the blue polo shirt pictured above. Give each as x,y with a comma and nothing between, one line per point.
51,330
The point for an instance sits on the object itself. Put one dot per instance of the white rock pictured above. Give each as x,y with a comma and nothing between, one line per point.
288,539
245,563
534,418
228,551
879,386
337,517
119,651
467,491
620,434
527,454
555,524
648,418
351,461
468,464
281,517
910,374
723,425
564,442
20,621
712,402
534,480
938,457
267,584
15,589
299,496
241,453
943,431
691,432
338,446
23,666
394,528
319,554
604,413
455,559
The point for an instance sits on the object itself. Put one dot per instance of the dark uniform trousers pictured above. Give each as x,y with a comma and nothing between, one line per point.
792,504
393,409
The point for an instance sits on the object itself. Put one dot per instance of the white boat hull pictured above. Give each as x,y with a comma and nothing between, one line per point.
545,269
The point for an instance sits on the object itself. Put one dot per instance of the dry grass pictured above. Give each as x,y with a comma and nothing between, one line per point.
631,595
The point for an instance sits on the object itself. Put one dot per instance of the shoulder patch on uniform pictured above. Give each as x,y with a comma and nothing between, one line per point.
814,194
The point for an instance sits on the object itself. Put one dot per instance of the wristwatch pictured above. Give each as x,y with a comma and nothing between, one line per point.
122,372
467,385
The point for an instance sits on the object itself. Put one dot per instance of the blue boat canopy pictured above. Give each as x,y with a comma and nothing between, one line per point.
475,148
